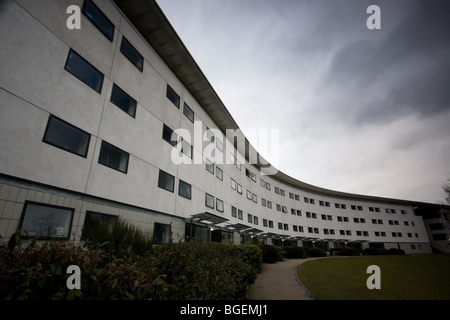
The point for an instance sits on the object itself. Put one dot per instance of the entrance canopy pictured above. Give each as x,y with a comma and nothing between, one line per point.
208,218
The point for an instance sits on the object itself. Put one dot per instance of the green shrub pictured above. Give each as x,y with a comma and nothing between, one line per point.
188,270
344,252
396,251
269,253
294,252
316,252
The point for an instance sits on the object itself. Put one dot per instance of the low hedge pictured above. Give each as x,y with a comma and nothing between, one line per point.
294,252
187,270
382,251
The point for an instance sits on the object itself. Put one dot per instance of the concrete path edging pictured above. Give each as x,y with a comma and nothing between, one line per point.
279,281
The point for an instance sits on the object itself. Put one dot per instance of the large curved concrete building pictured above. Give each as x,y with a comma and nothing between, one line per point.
116,119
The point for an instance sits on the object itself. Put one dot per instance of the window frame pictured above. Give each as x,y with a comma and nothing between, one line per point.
181,182
109,145
160,185
126,45
72,71
33,203
44,139
108,35
189,112
170,94
119,90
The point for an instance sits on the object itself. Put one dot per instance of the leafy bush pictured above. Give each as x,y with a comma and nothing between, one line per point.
396,251
316,252
269,253
294,252
188,270
344,252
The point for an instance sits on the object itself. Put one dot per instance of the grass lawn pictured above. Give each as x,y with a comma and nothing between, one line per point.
420,277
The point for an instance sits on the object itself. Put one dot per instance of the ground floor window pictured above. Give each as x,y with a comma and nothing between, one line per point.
45,221
161,233
97,226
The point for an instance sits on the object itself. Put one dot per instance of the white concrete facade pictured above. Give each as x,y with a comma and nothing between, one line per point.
35,85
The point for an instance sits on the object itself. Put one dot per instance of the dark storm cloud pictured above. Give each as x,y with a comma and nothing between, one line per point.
406,72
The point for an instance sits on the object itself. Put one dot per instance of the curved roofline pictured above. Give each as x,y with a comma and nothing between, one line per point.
148,18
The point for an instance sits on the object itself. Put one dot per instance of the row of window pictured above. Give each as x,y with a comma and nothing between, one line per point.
63,135
166,181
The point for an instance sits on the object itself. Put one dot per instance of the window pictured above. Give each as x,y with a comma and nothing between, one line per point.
184,189
169,135
46,221
219,145
277,190
263,202
282,192
262,183
219,205
239,188
269,204
209,135
232,184
249,195
166,181
132,54
240,214
233,212
186,148
67,137
173,96
255,220
96,224
161,233
270,224
99,19
297,197
284,209
121,99
84,71
249,218
209,200
219,173
113,157
209,166
254,198
187,111
267,186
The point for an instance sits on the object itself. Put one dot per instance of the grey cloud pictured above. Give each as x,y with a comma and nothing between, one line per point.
407,72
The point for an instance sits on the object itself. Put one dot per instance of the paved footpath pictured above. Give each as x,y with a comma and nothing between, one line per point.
278,281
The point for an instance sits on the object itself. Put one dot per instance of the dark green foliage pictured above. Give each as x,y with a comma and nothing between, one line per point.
315,252
344,252
188,270
269,253
294,252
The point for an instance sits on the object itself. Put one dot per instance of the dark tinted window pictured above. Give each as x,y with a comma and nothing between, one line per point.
99,19
187,111
121,99
184,189
166,181
113,157
173,96
45,221
169,135
132,54
84,71
67,137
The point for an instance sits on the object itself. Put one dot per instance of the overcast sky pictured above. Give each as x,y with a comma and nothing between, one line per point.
359,110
